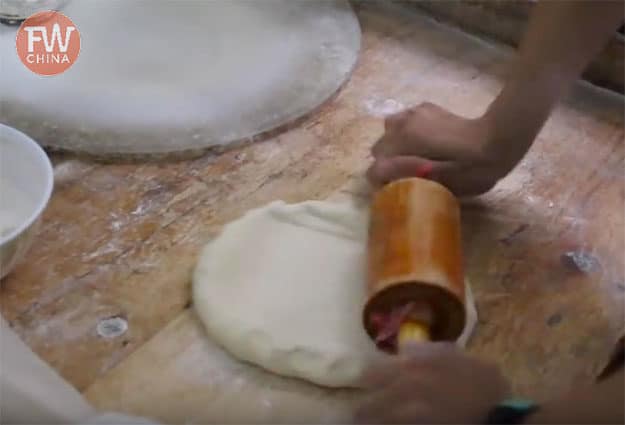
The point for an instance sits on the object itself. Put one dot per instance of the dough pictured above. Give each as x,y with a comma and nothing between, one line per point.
283,287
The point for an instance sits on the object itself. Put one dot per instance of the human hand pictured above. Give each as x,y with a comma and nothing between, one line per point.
455,151
431,383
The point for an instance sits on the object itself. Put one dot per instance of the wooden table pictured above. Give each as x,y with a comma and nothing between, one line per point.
544,249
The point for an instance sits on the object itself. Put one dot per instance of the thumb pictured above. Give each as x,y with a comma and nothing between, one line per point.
428,350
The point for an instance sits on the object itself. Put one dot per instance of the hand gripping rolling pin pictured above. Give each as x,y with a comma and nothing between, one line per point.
415,274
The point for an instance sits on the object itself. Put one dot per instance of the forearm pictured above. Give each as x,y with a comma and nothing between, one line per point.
561,39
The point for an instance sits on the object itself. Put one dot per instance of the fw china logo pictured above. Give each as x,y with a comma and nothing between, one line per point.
48,43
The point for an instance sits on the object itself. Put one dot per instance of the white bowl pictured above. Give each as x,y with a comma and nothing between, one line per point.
26,180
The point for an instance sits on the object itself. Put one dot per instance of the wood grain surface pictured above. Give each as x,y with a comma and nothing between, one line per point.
544,249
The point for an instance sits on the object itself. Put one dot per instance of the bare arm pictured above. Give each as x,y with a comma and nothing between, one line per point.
561,39
470,155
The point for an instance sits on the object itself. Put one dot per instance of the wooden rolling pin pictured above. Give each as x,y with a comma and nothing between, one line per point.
415,275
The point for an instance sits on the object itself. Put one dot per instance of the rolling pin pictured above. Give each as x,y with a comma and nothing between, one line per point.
415,275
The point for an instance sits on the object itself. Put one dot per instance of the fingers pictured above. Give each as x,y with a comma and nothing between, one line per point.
380,147
398,402
412,355
404,399
430,131
462,179
415,131
418,352
431,383
414,412
393,142
387,144
392,122
380,373
387,169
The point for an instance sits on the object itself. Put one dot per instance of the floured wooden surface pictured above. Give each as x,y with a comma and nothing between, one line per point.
195,381
180,376
543,249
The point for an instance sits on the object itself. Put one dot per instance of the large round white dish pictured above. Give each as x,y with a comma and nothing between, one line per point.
162,76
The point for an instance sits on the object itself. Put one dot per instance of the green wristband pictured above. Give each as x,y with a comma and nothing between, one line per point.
518,403
511,411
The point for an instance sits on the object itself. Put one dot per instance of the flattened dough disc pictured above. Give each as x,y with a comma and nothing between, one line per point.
162,76
283,287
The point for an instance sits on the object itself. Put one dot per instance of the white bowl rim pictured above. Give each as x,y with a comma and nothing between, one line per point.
43,201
